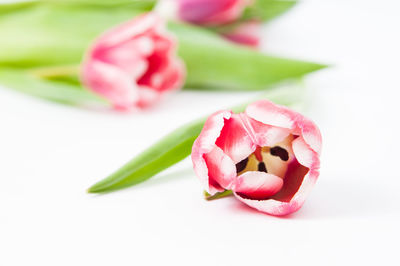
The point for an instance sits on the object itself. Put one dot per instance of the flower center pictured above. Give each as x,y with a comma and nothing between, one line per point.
274,160
280,161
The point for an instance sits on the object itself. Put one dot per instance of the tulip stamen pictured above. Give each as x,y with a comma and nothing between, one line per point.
240,166
273,159
262,168
280,152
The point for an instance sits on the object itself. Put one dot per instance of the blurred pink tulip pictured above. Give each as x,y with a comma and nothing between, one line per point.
204,12
245,33
133,64
268,156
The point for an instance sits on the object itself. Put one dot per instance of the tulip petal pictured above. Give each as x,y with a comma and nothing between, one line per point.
293,179
257,185
172,76
269,113
221,170
266,135
211,131
124,32
235,140
110,82
204,144
270,206
304,155
312,135
129,56
297,184
147,97
163,73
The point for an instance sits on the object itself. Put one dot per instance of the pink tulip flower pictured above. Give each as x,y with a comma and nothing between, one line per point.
133,64
245,33
268,156
204,12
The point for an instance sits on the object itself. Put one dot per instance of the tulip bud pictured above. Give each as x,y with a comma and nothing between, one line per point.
134,63
204,12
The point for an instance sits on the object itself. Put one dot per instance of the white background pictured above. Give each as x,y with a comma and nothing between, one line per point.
49,155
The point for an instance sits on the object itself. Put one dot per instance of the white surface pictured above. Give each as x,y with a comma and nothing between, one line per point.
49,155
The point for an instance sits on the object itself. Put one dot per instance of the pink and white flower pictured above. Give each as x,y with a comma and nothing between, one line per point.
268,156
134,64
204,12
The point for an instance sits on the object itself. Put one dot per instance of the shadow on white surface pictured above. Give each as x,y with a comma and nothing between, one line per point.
338,200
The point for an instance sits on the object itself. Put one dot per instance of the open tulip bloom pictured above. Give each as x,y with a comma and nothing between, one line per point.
268,156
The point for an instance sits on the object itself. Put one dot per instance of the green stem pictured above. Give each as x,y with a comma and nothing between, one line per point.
217,195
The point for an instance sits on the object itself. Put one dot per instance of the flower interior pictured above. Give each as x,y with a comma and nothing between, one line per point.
157,62
278,160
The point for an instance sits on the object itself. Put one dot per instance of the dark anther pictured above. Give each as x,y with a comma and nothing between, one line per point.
262,168
241,165
281,152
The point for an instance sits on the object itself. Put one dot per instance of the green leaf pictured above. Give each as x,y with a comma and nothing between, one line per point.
40,35
218,64
145,5
267,9
45,35
57,91
14,6
142,4
174,147
168,151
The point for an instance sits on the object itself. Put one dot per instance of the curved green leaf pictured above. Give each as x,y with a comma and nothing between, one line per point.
215,63
166,152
